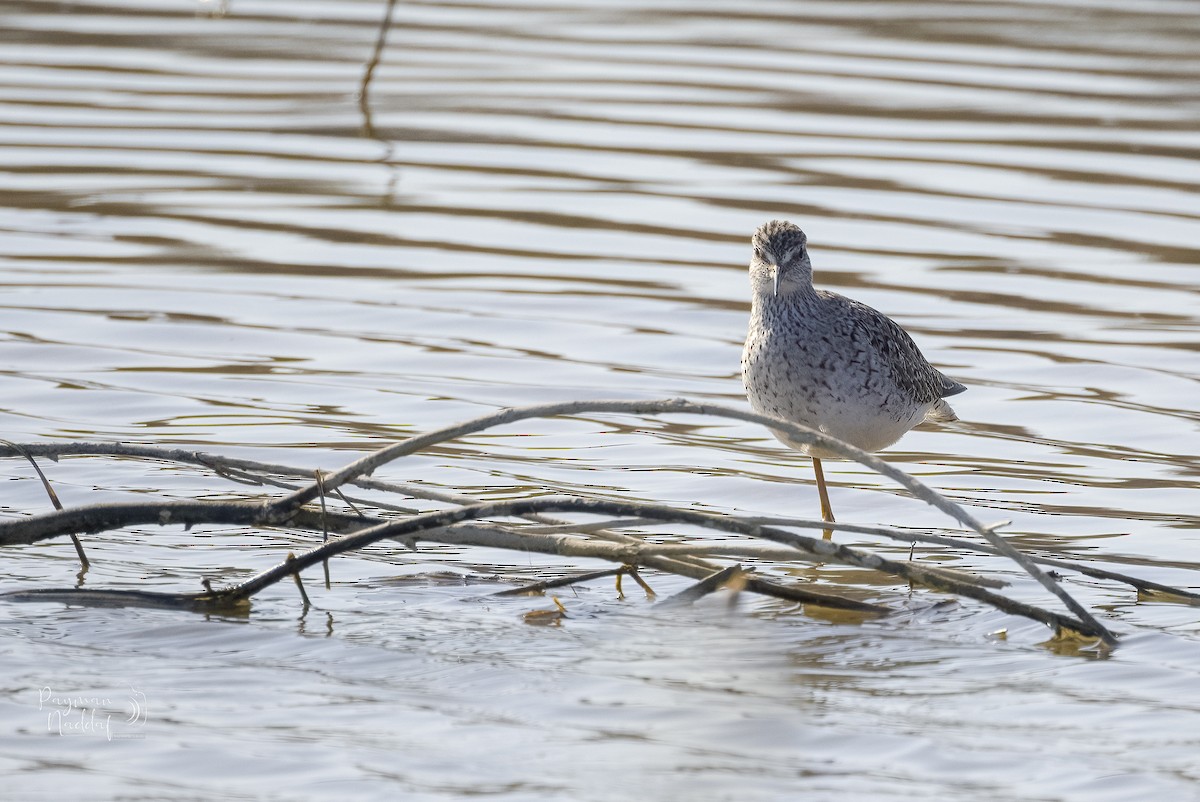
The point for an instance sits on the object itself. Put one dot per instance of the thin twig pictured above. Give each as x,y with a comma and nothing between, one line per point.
324,524
587,528
232,474
632,571
291,558
350,504
84,562
548,584
966,545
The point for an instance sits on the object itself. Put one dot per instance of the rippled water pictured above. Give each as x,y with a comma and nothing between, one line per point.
206,239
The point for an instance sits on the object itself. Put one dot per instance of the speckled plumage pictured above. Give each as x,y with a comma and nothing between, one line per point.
829,362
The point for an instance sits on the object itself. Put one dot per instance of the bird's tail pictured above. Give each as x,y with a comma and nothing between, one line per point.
941,412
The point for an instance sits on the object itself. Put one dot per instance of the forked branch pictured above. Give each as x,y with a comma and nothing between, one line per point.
463,524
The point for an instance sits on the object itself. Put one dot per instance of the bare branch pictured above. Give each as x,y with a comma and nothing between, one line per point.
565,545
84,562
549,584
282,508
709,584
678,558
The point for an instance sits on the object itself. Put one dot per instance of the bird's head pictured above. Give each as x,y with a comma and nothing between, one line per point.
780,264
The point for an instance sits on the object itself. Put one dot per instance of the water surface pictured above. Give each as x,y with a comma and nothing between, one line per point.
206,239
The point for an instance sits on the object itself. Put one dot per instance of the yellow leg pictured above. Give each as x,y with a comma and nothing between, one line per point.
826,510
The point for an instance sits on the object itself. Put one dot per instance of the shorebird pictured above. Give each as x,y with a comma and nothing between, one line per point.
828,362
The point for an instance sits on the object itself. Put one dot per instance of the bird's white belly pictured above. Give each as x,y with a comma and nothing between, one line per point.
870,429
858,418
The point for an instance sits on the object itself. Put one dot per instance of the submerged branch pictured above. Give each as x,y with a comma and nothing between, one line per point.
560,544
550,535
798,434
562,582
255,472
733,575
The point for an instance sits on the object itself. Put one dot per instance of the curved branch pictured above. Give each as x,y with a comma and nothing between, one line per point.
106,516
115,515
825,549
237,469
439,527
800,434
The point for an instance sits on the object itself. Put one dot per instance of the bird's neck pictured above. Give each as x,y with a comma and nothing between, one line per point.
792,299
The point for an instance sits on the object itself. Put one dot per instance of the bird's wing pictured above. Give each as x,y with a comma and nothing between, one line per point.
950,386
909,367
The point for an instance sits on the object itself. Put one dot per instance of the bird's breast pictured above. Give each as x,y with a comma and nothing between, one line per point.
824,378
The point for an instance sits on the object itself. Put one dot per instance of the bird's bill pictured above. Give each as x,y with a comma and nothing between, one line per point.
775,280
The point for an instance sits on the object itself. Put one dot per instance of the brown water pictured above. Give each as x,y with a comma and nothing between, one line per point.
203,240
